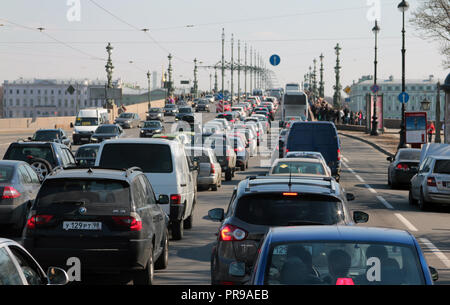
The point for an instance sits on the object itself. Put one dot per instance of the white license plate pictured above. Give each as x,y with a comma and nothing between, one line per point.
82,225
84,139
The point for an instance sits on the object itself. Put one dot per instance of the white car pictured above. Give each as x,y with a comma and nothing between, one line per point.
165,164
309,155
241,111
210,98
251,137
299,167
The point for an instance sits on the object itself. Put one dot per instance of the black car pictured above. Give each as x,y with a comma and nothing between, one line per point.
202,105
242,152
51,135
151,128
230,116
259,203
170,109
403,166
86,155
183,111
109,219
19,185
281,142
42,156
107,132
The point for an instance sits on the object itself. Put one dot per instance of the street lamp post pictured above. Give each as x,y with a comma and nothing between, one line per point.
403,7
195,79
425,106
437,138
149,100
321,83
374,132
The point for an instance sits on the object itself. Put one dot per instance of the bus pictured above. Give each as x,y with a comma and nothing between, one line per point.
292,87
295,103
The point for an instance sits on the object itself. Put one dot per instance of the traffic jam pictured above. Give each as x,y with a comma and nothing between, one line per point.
106,203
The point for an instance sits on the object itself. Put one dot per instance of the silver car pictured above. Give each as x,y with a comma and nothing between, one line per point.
128,120
431,185
155,114
209,169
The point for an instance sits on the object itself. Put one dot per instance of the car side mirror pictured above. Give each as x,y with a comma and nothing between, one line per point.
350,197
57,276
71,125
29,138
163,199
389,159
434,274
360,217
216,214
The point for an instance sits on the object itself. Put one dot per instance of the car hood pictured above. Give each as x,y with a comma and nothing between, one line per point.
151,128
122,119
105,135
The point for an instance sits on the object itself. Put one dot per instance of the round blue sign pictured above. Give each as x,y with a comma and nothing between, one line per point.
403,97
375,88
274,60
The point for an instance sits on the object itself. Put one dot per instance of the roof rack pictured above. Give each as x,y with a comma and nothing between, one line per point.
294,180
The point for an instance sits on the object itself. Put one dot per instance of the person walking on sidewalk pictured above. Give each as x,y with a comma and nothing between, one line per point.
430,131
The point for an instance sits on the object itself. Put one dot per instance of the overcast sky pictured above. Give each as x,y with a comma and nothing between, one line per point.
297,30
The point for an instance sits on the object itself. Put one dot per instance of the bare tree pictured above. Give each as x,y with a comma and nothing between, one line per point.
432,18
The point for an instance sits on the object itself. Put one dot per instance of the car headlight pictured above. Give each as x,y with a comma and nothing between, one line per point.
142,131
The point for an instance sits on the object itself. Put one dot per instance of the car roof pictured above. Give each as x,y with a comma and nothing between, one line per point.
340,233
49,129
92,173
89,145
6,240
140,141
308,160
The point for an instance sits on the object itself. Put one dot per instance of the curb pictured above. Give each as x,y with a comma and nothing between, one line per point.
376,146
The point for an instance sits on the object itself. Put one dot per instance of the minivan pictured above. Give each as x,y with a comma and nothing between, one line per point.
316,136
165,164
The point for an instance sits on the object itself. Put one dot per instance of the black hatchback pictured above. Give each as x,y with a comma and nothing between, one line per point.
109,219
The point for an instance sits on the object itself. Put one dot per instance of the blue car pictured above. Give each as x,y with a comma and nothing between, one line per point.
339,255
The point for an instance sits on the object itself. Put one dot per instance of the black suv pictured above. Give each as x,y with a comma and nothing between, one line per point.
51,135
109,219
259,203
42,156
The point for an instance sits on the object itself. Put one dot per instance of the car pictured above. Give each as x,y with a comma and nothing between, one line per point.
209,170
316,136
431,184
182,111
170,110
106,132
151,128
264,111
128,120
339,255
250,137
209,98
289,120
43,157
258,203
165,164
223,106
86,155
224,152
310,155
242,152
258,126
281,142
19,185
51,135
109,219
155,113
225,123
202,105
403,166
240,110
230,116
179,137
263,118
299,167
18,267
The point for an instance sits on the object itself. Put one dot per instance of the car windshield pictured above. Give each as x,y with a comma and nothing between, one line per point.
155,110
409,155
185,110
298,167
87,152
283,210
86,191
106,129
337,263
86,122
203,102
442,167
152,124
159,162
171,106
126,115
46,135
6,173
27,152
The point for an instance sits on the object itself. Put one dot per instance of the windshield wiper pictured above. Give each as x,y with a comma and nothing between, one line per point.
304,223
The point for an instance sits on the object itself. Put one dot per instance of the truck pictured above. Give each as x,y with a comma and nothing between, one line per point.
86,123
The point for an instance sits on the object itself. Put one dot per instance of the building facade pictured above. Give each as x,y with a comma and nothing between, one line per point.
418,90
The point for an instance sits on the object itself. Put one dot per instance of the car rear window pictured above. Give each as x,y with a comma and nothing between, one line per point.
46,135
280,210
27,152
151,158
298,167
87,152
409,155
308,133
442,167
86,191
6,173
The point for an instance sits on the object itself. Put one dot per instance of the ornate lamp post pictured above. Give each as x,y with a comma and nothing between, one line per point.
374,132
321,83
109,70
337,87
149,100
170,89
195,79
403,7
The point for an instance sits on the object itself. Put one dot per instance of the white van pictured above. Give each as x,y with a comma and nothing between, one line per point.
165,164
86,123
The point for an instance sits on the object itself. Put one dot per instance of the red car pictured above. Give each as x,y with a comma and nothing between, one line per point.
223,106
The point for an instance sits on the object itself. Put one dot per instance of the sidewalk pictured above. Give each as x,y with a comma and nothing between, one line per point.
385,142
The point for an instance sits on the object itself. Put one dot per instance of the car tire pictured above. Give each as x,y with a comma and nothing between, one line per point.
242,167
163,260
214,187
145,276
41,166
177,229
411,200
423,204
246,165
228,175
187,223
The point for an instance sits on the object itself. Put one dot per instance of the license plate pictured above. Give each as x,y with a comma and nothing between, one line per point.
149,133
84,139
82,225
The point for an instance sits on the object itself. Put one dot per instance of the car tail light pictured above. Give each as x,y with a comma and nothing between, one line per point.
345,281
38,220
133,223
287,150
232,233
431,181
339,154
290,194
175,199
213,170
10,193
239,149
402,166
226,283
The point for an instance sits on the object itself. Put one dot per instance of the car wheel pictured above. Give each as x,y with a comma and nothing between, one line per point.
177,229
423,205
163,260
214,187
228,175
41,166
411,200
246,165
389,180
145,277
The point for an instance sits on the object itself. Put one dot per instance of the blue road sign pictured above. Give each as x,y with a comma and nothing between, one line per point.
220,96
374,89
403,97
274,60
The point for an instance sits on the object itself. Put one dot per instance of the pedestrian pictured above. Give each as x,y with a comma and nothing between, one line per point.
360,118
430,131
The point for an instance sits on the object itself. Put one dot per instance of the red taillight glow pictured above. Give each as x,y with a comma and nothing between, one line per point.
232,233
10,193
128,221
339,154
402,166
431,181
213,170
175,199
239,149
38,220
290,194
344,281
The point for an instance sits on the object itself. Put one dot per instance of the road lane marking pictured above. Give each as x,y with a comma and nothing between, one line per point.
436,251
406,222
385,203
370,189
345,159
359,178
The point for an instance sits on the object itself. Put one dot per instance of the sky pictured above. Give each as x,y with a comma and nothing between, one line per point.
72,44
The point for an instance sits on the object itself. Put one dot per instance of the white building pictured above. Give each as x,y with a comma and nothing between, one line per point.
48,97
418,90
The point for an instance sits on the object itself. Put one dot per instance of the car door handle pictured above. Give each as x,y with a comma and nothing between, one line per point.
183,184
